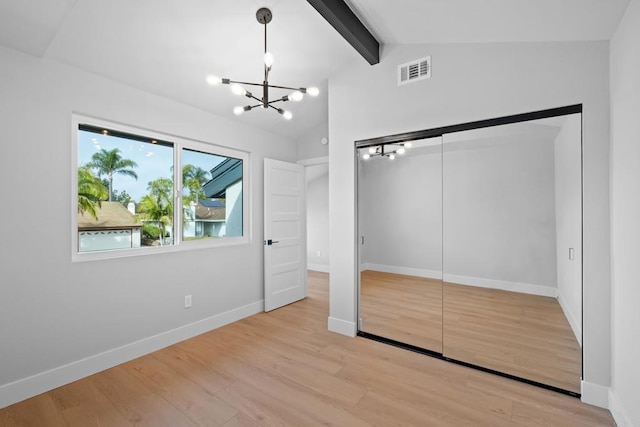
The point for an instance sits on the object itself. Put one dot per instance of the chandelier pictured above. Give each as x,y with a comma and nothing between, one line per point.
264,16
385,150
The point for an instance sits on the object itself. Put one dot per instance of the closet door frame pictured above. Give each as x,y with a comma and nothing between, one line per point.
440,132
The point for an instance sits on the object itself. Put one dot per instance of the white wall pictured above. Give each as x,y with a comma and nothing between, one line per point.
569,220
400,209
474,82
625,218
61,320
318,220
310,146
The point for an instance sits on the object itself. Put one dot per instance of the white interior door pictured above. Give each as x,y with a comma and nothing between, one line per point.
285,242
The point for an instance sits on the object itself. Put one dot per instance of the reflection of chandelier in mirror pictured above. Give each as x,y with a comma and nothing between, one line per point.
385,150
264,15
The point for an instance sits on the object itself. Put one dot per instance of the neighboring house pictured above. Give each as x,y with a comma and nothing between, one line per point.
207,219
226,183
115,228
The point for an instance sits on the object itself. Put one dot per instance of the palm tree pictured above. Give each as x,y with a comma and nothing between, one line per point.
91,191
158,204
194,177
110,163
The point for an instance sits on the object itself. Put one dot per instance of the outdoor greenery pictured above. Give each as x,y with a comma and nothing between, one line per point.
157,206
95,185
151,231
91,191
110,163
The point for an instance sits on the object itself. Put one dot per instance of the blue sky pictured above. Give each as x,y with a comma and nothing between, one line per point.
154,160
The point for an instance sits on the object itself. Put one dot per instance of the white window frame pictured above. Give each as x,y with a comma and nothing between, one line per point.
179,143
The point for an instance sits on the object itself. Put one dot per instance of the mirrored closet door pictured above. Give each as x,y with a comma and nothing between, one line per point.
471,244
512,240
400,228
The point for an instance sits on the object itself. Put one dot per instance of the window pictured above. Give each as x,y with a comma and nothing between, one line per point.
127,198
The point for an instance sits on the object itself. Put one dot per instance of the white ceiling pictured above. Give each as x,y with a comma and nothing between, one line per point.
481,21
168,47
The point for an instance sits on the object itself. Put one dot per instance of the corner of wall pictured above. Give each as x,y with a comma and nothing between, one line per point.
595,394
342,327
620,415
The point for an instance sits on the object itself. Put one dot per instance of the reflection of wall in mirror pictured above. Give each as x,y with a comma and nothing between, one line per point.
400,210
499,212
501,208
569,220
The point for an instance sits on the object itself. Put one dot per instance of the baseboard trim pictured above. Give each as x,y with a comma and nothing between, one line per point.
526,288
408,271
318,267
575,325
620,415
25,388
343,327
595,394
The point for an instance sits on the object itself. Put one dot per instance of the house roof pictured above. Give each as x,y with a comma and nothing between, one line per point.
212,203
222,176
111,215
210,213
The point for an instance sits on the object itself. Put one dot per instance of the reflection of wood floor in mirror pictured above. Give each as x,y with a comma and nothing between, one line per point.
520,334
403,308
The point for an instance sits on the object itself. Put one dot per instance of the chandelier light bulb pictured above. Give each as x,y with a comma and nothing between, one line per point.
268,59
392,156
213,80
372,150
400,150
296,96
296,93
366,156
238,90
407,145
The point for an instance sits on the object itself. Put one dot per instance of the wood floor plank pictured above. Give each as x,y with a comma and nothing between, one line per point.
82,404
191,399
403,308
241,420
136,402
524,335
281,400
195,366
283,368
38,411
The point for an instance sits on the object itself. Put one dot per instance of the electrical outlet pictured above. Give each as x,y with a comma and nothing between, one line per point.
187,301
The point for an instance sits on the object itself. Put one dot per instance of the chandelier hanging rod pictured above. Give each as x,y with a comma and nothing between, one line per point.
264,16
229,81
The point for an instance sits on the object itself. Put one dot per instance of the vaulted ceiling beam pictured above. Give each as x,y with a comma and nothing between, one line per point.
340,16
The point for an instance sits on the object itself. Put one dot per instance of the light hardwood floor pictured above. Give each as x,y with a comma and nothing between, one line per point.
284,368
